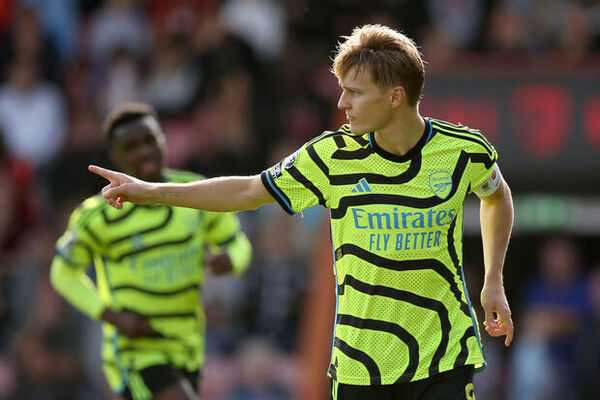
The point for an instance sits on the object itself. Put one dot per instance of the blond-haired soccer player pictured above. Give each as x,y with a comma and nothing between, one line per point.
149,264
395,183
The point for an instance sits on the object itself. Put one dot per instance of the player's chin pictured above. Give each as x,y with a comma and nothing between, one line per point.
358,129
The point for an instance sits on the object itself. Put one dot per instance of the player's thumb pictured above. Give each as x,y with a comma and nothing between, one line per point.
489,318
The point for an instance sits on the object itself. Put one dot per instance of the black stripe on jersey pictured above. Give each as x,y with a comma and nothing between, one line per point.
465,130
406,265
465,135
121,217
297,175
359,154
195,287
148,230
228,240
394,329
454,257
414,202
419,301
464,350
154,246
350,179
93,235
359,139
339,141
170,315
466,138
362,358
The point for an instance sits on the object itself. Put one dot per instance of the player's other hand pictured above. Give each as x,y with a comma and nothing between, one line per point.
219,264
122,187
498,321
130,323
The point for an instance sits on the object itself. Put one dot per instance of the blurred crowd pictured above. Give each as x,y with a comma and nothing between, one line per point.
238,85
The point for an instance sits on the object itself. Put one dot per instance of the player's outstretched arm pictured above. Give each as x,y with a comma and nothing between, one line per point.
234,193
496,215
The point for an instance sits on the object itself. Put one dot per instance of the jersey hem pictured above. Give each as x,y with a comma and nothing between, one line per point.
346,380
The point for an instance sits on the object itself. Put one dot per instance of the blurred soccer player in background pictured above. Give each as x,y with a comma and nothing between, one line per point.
395,183
149,266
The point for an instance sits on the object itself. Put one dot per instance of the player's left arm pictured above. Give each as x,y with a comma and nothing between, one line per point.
229,249
496,217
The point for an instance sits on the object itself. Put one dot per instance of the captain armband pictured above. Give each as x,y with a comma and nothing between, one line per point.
490,186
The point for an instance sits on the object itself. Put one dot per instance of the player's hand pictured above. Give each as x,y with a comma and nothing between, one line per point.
498,321
122,187
219,264
130,323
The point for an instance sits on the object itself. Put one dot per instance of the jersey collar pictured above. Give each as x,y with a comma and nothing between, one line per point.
425,137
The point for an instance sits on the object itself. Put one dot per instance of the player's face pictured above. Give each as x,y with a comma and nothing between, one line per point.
138,149
367,107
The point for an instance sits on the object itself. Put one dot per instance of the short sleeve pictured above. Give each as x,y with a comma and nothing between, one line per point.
221,228
78,243
297,181
483,158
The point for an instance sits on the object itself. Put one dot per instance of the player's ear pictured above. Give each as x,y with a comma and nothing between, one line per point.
397,96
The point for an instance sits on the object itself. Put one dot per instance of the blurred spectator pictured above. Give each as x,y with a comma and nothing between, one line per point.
121,82
17,214
47,349
260,22
458,20
587,362
275,282
173,81
25,38
118,25
554,306
60,20
32,114
507,32
259,365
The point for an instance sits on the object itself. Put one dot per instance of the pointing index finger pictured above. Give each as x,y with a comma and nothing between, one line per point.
103,172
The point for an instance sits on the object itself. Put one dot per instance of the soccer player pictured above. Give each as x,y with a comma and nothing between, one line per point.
395,183
149,264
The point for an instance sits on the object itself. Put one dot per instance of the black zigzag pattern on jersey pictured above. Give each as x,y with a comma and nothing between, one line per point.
394,329
173,292
93,235
414,202
454,257
411,342
157,227
151,247
297,175
464,134
339,141
464,350
397,330
122,216
465,130
406,265
362,358
359,154
349,179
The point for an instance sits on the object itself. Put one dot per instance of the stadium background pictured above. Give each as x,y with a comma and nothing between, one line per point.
241,83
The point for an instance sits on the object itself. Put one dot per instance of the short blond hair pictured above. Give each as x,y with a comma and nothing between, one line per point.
390,57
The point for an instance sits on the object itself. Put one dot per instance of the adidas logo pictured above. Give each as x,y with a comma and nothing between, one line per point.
362,186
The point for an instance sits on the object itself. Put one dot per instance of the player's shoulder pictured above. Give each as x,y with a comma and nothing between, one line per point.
462,136
88,210
341,138
182,176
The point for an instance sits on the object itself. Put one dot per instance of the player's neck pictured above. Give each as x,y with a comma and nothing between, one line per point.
402,133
